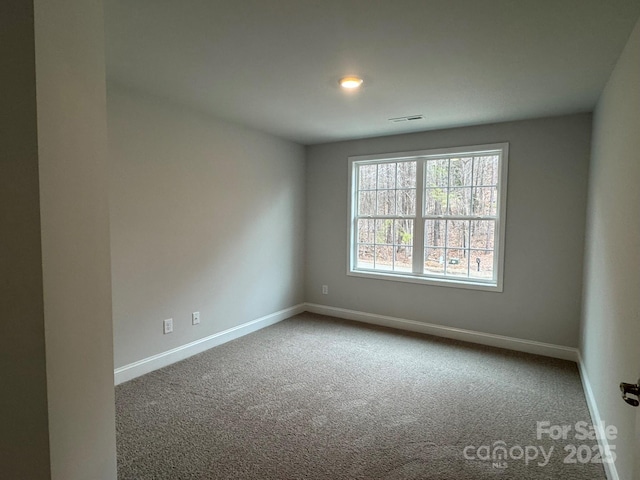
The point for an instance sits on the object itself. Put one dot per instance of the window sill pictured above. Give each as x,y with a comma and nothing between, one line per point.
424,280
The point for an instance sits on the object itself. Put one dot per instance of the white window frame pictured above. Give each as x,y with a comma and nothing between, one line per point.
495,284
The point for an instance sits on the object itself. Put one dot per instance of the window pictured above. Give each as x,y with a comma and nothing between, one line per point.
433,216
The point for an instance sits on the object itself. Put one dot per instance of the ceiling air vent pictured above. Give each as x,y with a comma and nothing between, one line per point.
410,118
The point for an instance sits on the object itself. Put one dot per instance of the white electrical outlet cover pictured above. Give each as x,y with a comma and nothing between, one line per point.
195,318
168,325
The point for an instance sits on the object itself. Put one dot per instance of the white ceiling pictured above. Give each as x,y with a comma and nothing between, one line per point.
274,64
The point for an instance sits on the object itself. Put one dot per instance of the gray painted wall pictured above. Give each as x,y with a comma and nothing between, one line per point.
611,318
74,211
24,432
205,216
546,203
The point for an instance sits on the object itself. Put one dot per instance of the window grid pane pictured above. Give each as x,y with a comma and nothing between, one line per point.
385,244
387,198
463,244
464,187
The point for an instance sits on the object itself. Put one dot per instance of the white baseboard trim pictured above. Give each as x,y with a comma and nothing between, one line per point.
609,468
149,364
510,343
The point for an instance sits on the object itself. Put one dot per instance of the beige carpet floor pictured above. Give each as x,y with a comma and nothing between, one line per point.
314,397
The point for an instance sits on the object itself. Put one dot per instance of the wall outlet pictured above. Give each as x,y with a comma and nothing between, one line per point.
168,325
195,318
325,289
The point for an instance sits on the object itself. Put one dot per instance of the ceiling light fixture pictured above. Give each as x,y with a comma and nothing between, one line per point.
351,82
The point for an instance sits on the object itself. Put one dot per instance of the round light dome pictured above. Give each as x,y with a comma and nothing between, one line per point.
350,82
